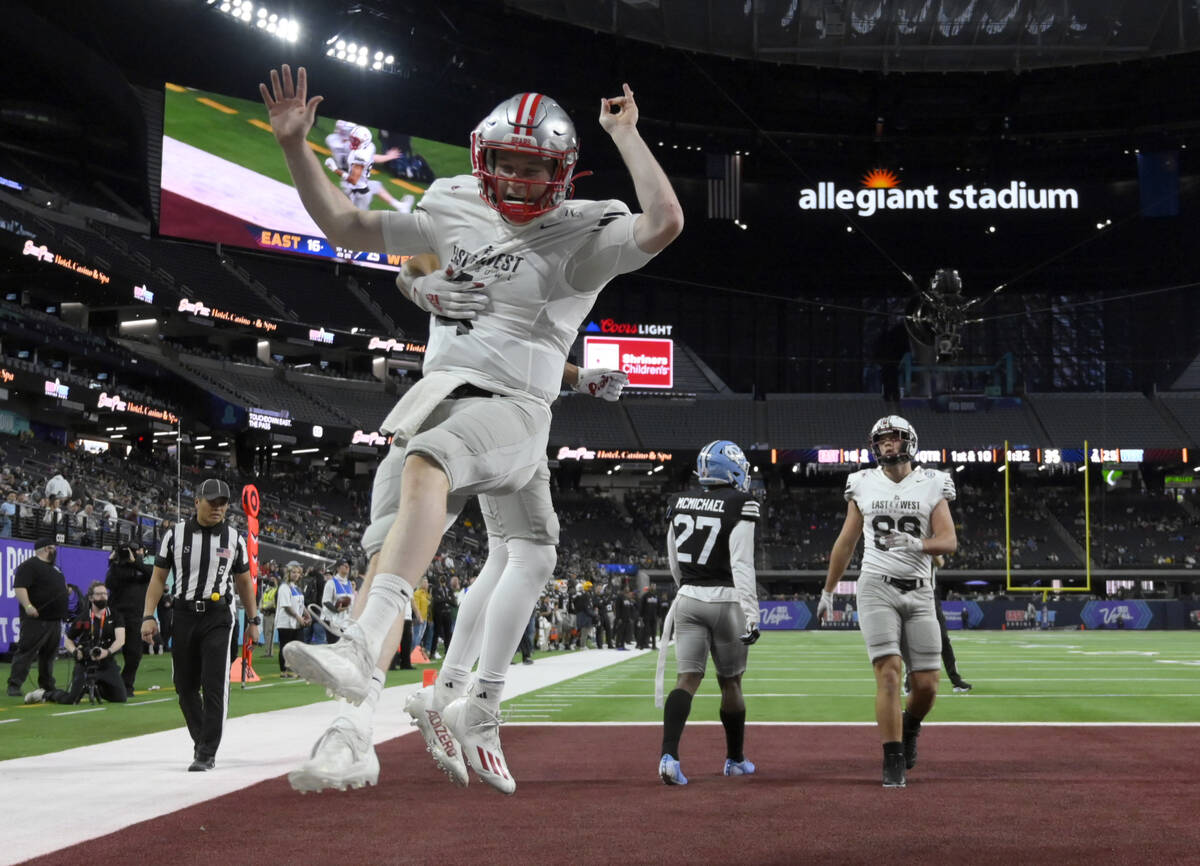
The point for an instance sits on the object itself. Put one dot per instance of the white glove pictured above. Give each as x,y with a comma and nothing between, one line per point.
602,383
332,165
824,606
902,541
444,293
752,633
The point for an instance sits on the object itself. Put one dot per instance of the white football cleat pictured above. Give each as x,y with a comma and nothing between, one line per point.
477,729
344,668
342,758
439,742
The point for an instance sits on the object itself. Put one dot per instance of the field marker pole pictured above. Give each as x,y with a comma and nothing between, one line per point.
1007,525
1087,520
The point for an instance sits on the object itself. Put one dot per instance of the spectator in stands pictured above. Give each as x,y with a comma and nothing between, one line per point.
8,512
58,487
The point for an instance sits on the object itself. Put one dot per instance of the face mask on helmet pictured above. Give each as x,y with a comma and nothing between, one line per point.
722,462
533,125
894,425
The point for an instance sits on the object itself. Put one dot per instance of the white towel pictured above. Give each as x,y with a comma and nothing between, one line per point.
668,634
413,408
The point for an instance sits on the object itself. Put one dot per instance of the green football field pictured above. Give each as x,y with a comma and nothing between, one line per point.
237,130
1066,677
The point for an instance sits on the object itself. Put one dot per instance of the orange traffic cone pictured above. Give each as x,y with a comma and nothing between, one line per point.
418,657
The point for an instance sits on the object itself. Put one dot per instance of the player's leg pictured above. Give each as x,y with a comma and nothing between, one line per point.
923,638
879,618
426,705
529,526
692,644
729,660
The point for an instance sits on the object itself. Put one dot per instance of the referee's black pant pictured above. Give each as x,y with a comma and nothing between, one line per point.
200,657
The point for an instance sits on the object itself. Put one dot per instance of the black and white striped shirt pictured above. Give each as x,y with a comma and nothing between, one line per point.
205,559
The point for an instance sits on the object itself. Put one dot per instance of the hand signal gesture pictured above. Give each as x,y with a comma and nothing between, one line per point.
618,112
291,112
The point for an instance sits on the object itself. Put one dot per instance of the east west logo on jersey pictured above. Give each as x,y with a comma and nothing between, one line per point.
890,506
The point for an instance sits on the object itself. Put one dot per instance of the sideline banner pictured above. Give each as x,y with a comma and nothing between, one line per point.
80,565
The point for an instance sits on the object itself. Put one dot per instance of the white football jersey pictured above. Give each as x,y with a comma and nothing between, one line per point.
889,506
545,276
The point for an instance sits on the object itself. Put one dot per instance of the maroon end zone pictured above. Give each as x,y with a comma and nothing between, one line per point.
183,217
979,794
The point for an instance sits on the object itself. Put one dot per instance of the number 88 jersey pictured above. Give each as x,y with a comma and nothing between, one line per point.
890,506
701,523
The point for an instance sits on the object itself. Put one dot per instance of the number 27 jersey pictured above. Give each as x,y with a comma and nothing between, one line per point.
702,523
905,506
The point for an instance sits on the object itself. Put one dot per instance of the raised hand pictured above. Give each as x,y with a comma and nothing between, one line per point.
291,112
626,114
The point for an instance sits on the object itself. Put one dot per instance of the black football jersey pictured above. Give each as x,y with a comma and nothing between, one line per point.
701,522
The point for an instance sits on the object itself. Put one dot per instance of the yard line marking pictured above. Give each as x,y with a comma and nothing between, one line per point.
77,712
259,686
6,721
174,88
143,703
212,103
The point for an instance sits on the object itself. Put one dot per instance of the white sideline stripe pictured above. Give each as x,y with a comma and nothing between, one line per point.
974,696
254,748
143,703
7,721
927,723
79,712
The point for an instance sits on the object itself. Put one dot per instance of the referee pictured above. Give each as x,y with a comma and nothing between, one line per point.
209,560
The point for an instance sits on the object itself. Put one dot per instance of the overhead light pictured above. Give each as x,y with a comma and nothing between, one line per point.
305,450
1001,468
658,468
203,438
959,468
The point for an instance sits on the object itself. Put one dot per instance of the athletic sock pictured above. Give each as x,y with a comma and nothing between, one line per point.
451,683
488,693
893,748
735,734
911,724
390,594
675,716
361,718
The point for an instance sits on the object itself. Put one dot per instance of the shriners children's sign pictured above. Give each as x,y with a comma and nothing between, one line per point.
881,191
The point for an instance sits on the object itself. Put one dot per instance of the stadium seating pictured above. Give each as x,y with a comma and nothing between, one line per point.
1118,420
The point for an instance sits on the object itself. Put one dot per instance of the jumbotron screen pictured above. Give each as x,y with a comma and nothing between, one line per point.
224,179
649,363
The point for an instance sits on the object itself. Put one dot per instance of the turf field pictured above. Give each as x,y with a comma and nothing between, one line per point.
1066,677
237,130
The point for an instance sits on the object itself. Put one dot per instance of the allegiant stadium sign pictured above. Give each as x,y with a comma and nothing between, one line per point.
882,195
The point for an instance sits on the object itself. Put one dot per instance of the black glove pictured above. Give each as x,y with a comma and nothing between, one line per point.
750,636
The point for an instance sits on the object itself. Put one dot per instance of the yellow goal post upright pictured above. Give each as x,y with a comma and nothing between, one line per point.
1087,533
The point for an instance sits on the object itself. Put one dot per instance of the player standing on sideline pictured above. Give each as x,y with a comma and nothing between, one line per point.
477,423
904,518
710,545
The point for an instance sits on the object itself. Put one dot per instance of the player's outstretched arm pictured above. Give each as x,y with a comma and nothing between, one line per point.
661,219
292,115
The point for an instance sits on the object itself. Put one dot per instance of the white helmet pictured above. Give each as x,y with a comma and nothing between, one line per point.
908,440
343,127
359,136
526,123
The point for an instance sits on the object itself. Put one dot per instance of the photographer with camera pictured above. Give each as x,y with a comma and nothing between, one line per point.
92,639
41,590
127,579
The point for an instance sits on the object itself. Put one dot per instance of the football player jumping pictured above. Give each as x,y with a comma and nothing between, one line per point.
478,421
710,546
904,518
